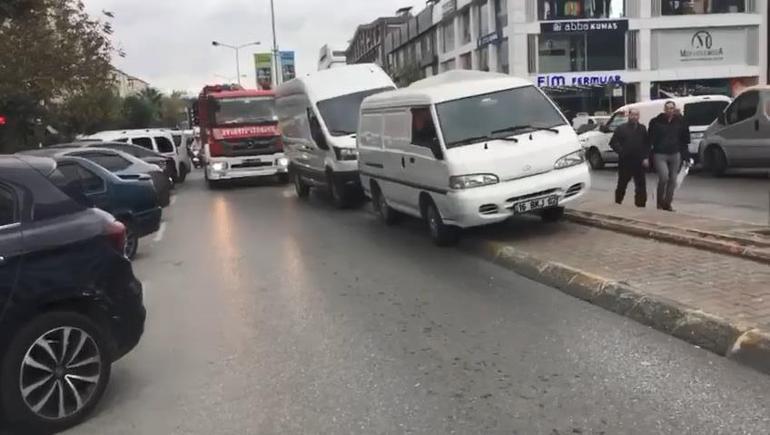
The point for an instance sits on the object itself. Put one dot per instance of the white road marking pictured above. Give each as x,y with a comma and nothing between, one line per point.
161,232
173,200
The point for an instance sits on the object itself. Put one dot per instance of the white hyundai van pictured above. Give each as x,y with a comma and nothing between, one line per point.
698,111
468,148
318,115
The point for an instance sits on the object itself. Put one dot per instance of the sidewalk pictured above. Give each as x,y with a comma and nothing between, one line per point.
716,301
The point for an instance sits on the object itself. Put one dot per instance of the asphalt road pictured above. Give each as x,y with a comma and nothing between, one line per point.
743,196
268,315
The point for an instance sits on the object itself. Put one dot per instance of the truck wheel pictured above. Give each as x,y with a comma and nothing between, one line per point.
283,178
442,234
44,393
595,159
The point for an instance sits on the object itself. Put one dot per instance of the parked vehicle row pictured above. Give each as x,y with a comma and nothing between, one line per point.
456,150
70,304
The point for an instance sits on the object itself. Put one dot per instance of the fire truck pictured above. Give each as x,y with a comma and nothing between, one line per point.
239,134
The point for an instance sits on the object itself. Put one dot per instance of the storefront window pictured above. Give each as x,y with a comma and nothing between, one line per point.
502,57
578,9
690,7
570,52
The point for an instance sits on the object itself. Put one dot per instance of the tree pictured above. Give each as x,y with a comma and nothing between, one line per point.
407,75
90,111
172,109
49,51
139,112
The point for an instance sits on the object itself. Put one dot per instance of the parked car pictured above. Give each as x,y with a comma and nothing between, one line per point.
740,137
698,112
158,140
468,148
163,162
318,115
584,122
182,141
131,199
70,305
119,163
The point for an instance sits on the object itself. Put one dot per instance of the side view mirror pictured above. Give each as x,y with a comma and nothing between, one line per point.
722,119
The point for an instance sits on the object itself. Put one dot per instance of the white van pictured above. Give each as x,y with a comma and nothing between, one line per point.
158,140
699,112
318,115
468,148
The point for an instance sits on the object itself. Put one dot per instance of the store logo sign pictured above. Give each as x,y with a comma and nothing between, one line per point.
585,26
555,80
701,48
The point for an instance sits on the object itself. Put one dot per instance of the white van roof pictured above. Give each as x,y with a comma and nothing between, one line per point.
116,134
348,79
680,101
448,86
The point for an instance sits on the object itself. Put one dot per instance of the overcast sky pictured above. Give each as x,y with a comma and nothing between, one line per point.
168,42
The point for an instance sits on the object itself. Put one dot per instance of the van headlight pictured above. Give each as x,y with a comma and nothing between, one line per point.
219,166
346,153
462,182
571,159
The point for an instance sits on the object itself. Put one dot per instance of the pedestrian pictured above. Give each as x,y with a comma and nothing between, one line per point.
632,144
670,138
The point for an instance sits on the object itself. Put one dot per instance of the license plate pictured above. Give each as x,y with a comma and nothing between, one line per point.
252,161
536,204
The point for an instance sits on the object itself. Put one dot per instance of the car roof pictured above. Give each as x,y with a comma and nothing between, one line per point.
16,161
344,80
680,101
451,85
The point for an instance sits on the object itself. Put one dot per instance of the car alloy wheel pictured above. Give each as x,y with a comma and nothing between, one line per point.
132,244
60,373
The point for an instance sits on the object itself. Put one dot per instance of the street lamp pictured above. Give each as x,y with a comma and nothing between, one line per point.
237,49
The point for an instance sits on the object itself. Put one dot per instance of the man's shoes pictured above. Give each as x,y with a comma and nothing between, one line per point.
668,208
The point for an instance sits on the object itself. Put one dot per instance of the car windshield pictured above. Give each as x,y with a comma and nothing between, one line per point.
246,110
482,115
341,113
703,112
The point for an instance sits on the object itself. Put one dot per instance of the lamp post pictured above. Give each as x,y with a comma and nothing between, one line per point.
277,76
237,49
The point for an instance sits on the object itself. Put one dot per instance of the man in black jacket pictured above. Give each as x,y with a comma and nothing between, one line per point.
632,144
670,137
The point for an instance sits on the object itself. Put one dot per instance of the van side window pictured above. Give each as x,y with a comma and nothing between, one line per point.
423,129
743,108
7,207
164,145
144,142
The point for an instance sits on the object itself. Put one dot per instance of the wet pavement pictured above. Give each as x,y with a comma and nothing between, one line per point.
268,315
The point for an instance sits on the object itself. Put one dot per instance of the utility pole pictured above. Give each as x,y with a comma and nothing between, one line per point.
237,49
276,55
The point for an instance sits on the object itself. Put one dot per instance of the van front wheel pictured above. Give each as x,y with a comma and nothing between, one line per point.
442,234
716,162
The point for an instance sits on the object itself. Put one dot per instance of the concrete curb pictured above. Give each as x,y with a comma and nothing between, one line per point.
743,343
719,243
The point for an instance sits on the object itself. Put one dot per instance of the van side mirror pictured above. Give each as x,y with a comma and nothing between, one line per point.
315,131
435,147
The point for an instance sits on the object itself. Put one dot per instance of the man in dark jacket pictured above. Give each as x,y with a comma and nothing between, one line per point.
632,144
670,137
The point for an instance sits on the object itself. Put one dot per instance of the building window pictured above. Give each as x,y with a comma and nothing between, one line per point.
501,13
465,26
483,14
466,61
570,52
448,65
532,53
447,37
575,9
633,49
502,57
483,55
690,7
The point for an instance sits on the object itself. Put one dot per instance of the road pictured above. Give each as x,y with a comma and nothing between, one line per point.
269,315
743,196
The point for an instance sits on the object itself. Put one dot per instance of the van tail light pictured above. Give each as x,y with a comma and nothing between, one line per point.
215,148
116,234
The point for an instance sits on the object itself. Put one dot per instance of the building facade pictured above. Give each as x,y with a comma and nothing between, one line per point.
410,51
367,45
331,57
127,85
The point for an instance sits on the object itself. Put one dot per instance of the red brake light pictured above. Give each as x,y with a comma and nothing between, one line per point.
3,120
215,148
116,233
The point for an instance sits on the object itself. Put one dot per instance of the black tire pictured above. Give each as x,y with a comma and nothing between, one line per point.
442,234
595,159
283,178
93,362
716,161
553,214
302,189
213,184
132,242
183,173
387,215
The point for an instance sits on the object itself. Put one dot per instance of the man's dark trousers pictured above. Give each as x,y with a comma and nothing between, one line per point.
628,169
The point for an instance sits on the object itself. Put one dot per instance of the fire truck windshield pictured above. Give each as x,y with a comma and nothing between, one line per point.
245,110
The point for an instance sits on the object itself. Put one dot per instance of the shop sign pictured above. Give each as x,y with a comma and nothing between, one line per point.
491,38
448,8
556,80
700,47
584,26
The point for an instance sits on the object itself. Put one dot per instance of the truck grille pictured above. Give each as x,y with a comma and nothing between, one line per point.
252,146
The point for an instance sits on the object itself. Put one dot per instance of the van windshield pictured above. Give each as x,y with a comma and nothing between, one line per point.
246,110
481,115
703,112
341,113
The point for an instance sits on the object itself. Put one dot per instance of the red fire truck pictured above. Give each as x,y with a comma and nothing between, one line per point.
239,134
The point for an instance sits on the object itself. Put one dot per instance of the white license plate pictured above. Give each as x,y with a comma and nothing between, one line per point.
536,204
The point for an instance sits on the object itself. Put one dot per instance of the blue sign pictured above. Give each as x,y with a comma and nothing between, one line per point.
555,80
491,38
287,65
